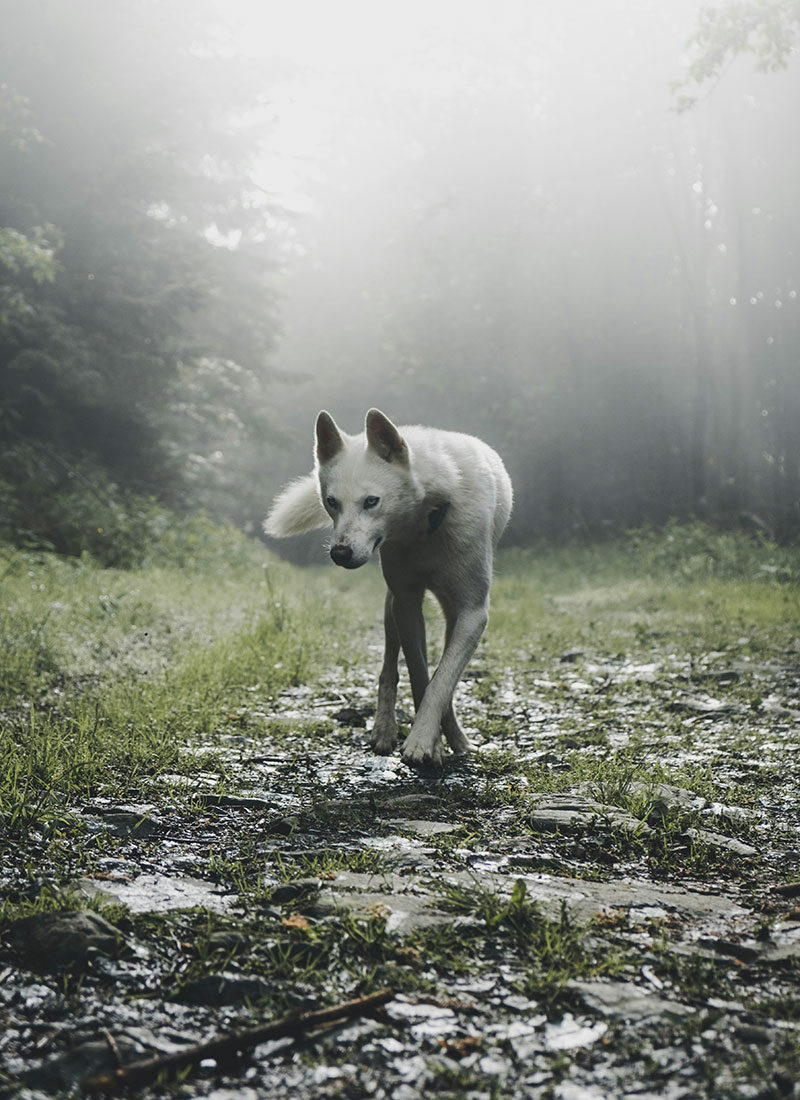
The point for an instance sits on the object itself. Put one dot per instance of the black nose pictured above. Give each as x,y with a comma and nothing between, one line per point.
341,554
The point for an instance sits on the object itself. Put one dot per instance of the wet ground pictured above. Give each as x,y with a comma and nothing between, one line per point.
602,901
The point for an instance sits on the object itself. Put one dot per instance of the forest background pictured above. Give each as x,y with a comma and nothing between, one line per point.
573,231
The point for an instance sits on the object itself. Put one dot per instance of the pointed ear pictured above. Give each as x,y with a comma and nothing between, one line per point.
329,438
384,438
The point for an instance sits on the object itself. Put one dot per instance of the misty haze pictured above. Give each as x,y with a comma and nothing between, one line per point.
569,230
504,221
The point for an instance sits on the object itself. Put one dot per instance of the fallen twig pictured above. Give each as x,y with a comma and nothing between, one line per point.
112,1046
147,1070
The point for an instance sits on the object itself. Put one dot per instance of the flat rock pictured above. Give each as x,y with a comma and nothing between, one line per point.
224,989
553,817
424,828
585,899
575,814
671,796
122,821
409,901
234,801
382,809
722,842
403,913
702,705
288,892
627,1001
158,893
351,716
569,1033
51,941
66,1070
783,945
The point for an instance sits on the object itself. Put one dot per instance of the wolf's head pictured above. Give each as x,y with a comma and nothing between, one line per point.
366,484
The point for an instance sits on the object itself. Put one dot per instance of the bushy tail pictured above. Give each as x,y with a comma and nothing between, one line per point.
297,509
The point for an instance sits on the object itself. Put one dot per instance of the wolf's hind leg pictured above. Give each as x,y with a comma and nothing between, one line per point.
451,727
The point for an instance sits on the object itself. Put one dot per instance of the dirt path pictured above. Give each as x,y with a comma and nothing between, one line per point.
557,918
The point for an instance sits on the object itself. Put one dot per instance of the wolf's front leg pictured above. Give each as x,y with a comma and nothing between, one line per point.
384,728
423,745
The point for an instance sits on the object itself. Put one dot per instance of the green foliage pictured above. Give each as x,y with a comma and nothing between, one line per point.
24,257
47,503
768,30
113,293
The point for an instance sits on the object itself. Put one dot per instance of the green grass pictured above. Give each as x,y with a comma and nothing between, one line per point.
688,585
115,681
109,674
551,951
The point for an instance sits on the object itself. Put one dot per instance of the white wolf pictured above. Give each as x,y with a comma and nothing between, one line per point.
436,503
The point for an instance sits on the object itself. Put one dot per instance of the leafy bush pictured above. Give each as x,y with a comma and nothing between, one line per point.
697,550
78,510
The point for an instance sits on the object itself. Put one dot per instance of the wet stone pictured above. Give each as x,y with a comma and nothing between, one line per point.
783,946
722,842
294,890
52,941
570,1033
572,815
670,796
351,716
227,941
153,893
626,1000
370,809
223,989
584,899
68,1069
702,705
403,913
234,802
424,828
744,952
592,1040
124,821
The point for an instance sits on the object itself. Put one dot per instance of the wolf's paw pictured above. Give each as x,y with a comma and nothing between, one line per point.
458,741
382,741
383,736
422,751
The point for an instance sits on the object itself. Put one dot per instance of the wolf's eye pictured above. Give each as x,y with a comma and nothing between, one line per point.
332,503
370,502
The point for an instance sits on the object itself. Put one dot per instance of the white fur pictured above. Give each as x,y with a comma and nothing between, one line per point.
435,503
297,509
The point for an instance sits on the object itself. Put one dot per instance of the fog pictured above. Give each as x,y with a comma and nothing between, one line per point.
570,229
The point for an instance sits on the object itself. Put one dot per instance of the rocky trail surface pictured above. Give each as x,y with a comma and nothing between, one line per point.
602,901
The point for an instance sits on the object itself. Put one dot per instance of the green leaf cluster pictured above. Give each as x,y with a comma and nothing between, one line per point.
124,187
